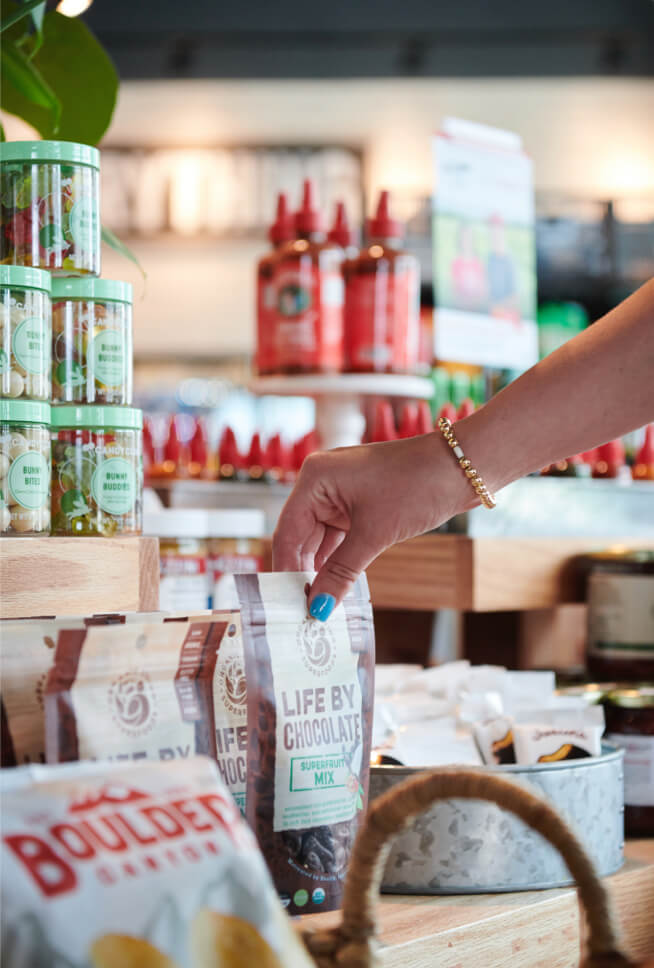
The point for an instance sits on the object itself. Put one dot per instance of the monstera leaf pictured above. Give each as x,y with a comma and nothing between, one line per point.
58,78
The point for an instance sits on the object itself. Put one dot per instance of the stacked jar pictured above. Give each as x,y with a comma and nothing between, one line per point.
76,356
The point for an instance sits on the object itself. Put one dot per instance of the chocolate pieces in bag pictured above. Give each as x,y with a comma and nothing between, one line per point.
310,695
132,692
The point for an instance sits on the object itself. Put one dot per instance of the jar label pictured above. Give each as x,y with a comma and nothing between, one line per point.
113,486
84,224
638,767
29,480
31,344
620,616
109,358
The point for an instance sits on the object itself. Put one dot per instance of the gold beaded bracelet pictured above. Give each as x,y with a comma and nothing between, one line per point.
473,475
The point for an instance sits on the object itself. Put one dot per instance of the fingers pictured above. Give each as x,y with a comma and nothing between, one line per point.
333,537
338,574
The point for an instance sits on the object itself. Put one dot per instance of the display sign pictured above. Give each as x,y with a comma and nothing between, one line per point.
484,250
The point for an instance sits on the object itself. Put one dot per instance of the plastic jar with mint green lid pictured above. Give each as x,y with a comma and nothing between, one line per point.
97,470
25,340
91,341
24,468
50,206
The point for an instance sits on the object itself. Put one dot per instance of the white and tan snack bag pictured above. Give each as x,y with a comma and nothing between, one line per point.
144,865
553,734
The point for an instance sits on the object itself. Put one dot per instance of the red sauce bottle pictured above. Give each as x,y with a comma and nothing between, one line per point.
383,427
308,287
610,459
382,301
281,231
230,460
643,469
341,234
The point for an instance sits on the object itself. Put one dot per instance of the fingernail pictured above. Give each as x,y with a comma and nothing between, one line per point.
322,607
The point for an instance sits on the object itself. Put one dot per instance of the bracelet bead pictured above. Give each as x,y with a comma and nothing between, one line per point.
465,464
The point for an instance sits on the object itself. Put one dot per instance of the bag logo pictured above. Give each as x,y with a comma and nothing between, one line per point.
231,676
132,701
316,646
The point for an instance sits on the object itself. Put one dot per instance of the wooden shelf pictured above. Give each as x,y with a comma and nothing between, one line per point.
78,576
522,930
483,574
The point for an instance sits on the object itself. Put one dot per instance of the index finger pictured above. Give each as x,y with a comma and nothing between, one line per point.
295,526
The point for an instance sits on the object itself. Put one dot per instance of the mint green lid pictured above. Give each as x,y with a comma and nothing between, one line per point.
66,152
100,290
121,418
24,277
24,411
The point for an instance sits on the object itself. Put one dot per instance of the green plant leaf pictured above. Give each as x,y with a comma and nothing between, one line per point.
38,14
26,92
81,74
115,243
29,7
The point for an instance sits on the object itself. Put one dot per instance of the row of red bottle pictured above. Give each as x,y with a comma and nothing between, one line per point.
415,419
609,461
323,306
190,456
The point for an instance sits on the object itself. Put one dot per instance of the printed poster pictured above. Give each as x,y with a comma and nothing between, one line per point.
484,248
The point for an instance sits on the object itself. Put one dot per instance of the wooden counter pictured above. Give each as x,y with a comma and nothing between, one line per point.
533,929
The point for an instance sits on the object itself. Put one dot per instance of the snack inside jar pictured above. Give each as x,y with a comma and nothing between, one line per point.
24,333
97,471
50,206
92,341
24,468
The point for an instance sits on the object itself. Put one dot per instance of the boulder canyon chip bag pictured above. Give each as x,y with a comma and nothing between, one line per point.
132,691
134,865
309,694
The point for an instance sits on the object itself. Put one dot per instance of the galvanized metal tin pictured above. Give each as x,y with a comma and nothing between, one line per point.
472,847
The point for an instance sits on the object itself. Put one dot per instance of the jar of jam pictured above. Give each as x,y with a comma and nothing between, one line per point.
630,725
235,547
619,593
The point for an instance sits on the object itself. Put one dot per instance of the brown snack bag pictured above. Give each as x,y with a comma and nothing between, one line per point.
230,708
309,695
27,649
132,692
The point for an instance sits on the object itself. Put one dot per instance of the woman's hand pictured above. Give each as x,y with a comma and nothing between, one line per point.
349,504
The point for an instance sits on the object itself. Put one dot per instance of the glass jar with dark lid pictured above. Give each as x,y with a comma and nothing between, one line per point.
630,725
620,597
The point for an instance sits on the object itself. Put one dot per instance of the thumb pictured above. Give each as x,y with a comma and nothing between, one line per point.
338,574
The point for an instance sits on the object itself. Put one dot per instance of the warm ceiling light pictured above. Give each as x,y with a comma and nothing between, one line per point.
73,8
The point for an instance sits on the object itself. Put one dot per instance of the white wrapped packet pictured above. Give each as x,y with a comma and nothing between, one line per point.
147,864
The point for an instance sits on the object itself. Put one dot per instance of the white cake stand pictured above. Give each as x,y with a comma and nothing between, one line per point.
340,421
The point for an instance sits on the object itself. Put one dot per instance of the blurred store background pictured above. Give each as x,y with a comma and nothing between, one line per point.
222,107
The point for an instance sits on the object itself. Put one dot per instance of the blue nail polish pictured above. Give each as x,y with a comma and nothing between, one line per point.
322,607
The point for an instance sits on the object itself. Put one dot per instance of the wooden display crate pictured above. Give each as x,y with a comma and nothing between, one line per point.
78,576
484,574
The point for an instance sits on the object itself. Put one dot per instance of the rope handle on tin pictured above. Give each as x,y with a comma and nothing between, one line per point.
353,943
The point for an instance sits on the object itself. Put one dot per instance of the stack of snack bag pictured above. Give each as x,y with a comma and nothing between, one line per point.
281,706
462,714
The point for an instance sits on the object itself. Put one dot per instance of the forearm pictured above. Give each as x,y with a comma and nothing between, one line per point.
596,387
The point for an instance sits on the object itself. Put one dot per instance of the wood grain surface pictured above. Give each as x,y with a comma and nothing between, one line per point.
483,574
531,929
78,576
